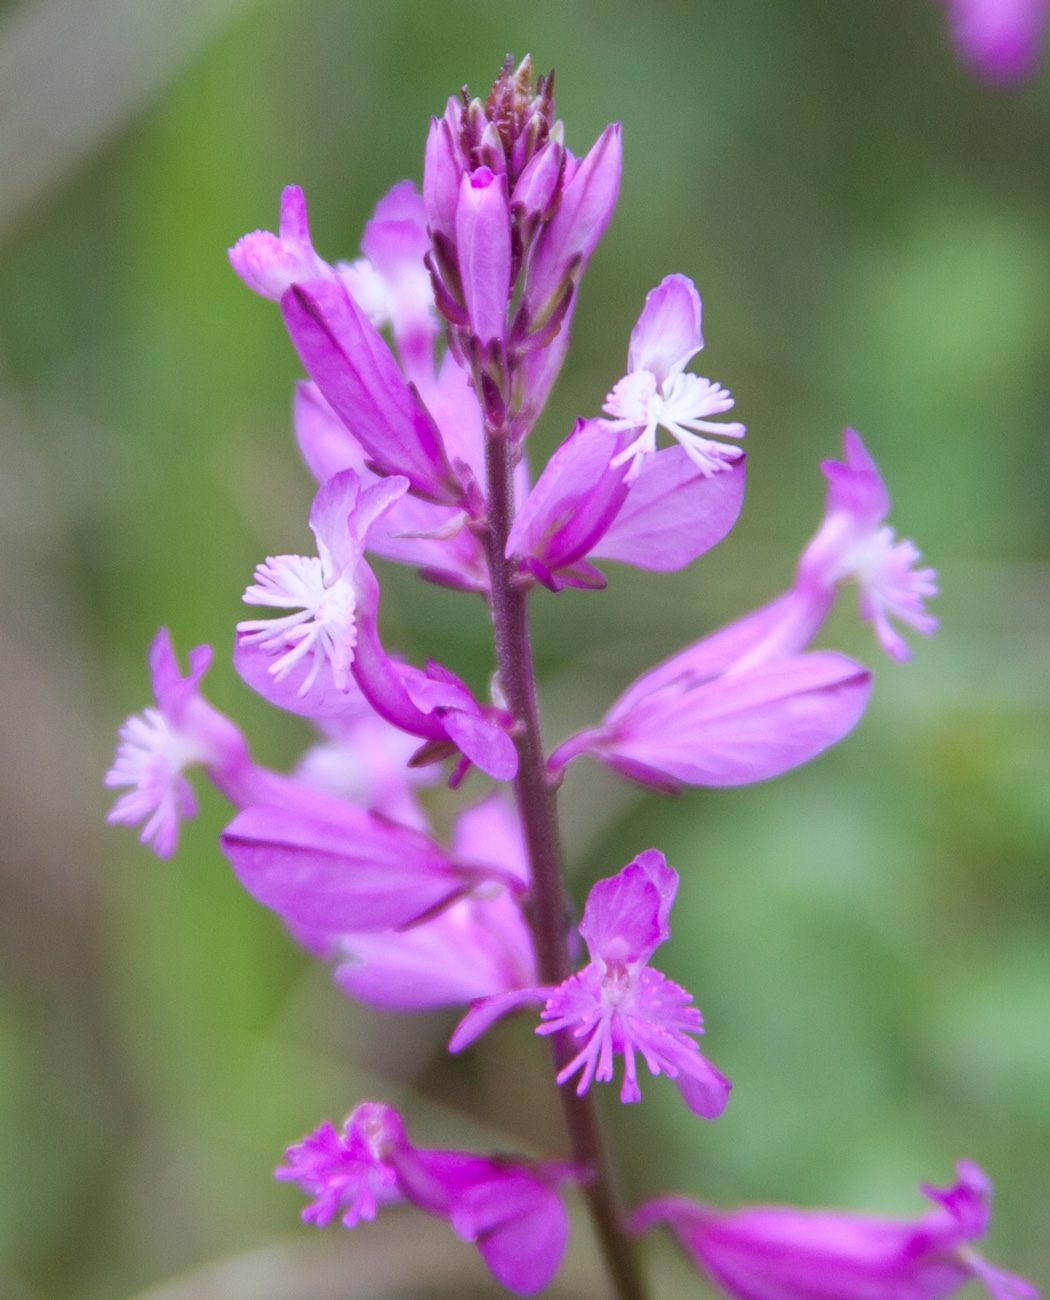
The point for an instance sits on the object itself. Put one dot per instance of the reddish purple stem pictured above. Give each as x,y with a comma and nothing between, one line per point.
548,907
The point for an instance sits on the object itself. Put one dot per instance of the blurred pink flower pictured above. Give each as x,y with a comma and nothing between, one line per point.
779,1252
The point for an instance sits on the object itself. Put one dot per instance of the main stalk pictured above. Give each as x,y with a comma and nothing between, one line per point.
548,909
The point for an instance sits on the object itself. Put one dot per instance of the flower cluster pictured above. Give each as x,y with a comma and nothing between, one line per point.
417,439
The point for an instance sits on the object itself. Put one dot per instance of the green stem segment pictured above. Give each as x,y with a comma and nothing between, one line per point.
548,910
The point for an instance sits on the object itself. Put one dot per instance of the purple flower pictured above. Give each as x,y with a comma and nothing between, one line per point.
745,704
343,1170
483,248
158,745
853,545
1001,39
322,590
412,531
331,867
779,1252
618,1002
585,505
508,1207
696,720
657,392
478,947
391,283
309,659
270,263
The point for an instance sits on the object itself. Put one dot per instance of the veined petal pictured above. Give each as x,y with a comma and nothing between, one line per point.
330,866
741,727
668,333
672,513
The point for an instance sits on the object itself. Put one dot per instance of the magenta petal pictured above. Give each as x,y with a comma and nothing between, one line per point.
745,726
672,513
667,335
526,1243
325,443
781,1252
478,948
490,831
356,371
665,879
171,690
429,536
575,499
486,1011
322,700
625,918
329,865
567,241
783,625
484,742
396,233
443,165
483,247
1000,38
451,400
704,1090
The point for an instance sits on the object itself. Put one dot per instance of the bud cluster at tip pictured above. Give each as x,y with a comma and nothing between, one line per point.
504,268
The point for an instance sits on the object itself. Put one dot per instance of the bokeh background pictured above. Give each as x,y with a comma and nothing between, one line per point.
869,937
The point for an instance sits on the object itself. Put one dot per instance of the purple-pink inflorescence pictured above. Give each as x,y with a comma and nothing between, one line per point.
418,449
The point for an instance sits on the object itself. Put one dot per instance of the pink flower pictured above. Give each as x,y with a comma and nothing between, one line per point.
586,505
854,545
330,867
322,655
657,392
779,1252
391,283
1001,39
508,1207
158,745
270,263
618,1003
478,947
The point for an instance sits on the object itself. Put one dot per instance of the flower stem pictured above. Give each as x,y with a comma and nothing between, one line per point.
548,909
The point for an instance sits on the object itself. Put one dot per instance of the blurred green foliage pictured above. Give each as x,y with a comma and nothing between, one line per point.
869,937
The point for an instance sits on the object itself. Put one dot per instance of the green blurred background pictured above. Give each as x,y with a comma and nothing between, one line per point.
869,937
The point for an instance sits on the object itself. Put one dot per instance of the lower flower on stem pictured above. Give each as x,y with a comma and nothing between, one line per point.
508,1206
781,1252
